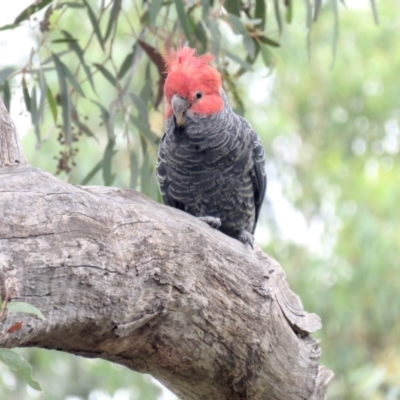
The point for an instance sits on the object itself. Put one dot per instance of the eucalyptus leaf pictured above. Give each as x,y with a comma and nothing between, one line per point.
93,172
25,92
278,15
64,100
289,11
106,73
95,23
52,104
79,52
108,177
126,64
32,9
35,114
5,73
261,12
112,22
69,4
155,7
182,16
20,366
7,95
9,26
21,307
233,6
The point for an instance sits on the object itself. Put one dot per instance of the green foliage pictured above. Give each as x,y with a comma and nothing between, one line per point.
333,140
13,360
20,366
86,73
65,376
21,307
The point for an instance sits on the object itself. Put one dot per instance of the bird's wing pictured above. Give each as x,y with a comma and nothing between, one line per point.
163,176
259,175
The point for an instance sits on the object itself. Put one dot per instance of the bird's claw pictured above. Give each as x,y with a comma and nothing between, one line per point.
246,237
212,221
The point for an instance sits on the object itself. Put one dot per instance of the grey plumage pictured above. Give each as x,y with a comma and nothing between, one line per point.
213,166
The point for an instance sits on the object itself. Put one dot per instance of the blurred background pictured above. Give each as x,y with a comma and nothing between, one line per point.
82,82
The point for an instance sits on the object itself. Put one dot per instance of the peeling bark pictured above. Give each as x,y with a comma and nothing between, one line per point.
125,279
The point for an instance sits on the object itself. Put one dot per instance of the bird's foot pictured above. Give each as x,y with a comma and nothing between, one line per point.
212,221
246,237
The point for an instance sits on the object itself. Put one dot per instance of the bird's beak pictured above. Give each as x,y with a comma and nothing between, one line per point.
179,106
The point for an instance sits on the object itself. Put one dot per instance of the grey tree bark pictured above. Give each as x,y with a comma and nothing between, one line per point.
122,278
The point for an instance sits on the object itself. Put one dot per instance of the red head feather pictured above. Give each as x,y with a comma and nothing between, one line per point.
188,74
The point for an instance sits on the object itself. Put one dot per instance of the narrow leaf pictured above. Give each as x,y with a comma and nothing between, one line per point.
92,173
65,100
216,36
267,57
335,30
239,106
21,307
144,130
95,24
5,73
237,24
7,95
108,177
43,91
72,80
59,54
107,74
268,41
9,26
233,7
20,366
158,61
141,107
79,124
250,47
52,104
79,52
317,7
27,98
289,11
206,9
260,12
126,64
374,12
105,116
69,4
65,40
155,7
239,61
180,9
278,16
30,10
115,10
201,36
154,56
34,115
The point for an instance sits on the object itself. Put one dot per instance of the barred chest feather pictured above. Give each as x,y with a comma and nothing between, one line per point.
205,168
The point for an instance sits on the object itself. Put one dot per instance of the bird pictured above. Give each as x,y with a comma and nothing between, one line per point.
210,162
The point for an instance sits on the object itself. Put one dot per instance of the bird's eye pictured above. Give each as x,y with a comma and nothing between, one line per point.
199,95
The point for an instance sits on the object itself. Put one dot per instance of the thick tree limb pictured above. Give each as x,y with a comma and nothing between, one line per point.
125,279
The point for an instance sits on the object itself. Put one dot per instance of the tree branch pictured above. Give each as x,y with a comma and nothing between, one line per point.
10,146
123,278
